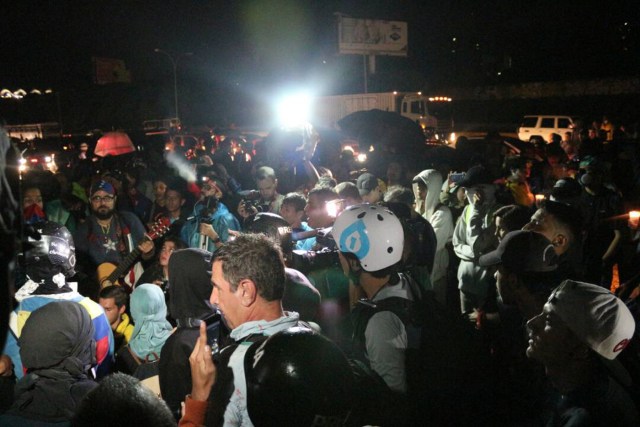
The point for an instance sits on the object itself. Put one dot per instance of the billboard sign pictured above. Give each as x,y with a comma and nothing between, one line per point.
108,70
372,37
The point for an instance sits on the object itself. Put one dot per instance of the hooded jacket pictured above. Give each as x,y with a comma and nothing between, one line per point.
58,350
189,292
474,235
149,313
440,218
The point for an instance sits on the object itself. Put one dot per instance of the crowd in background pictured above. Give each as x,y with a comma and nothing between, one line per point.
161,218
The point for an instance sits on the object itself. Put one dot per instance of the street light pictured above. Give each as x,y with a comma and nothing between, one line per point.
174,62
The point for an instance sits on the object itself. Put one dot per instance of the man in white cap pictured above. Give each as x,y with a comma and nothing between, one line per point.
581,330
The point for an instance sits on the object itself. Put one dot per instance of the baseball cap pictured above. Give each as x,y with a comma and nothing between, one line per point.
104,186
566,190
475,176
366,183
523,252
596,316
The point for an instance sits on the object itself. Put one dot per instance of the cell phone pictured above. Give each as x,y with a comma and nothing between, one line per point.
214,332
456,177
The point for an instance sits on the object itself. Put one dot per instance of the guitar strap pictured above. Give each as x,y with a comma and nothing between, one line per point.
125,245
122,233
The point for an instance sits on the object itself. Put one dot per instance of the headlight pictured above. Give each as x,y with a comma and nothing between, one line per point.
362,157
452,137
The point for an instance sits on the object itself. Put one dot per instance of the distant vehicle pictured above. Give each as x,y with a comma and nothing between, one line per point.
161,126
328,110
33,131
538,127
450,130
478,131
41,155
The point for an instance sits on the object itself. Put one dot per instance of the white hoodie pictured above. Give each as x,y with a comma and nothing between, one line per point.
440,218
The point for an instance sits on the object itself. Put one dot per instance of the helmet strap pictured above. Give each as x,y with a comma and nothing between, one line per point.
355,271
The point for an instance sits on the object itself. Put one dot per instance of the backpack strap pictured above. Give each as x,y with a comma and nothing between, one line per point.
152,357
364,311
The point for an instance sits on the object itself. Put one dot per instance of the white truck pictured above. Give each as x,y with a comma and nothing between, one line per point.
328,110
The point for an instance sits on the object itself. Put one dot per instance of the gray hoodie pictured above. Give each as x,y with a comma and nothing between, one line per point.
440,218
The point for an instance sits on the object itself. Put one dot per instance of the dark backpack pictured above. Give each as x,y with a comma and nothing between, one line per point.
147,370
448,368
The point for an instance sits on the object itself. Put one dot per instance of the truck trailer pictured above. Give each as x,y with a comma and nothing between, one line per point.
328,110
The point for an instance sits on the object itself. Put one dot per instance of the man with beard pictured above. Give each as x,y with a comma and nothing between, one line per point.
109,236
208,228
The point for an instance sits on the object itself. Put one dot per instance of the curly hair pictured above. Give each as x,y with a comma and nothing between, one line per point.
257,258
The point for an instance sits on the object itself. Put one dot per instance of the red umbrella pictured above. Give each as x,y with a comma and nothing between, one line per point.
114,144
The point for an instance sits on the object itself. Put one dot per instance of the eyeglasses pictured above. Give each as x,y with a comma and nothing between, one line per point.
105,199
32,200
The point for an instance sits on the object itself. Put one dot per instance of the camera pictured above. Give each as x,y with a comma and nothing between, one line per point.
457,177
325,239
249,204
306,261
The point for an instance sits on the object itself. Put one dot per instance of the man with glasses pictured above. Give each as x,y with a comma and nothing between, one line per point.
108,236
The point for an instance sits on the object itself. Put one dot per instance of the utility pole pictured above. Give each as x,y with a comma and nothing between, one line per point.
174,63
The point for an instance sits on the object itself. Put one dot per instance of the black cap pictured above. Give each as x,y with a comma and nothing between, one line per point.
523,252
475,176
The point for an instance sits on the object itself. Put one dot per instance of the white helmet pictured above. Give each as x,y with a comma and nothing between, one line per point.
372,233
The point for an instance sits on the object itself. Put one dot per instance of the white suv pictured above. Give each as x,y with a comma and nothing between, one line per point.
539,127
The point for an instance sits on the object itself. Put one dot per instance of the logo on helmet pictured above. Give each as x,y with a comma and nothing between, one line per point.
354,239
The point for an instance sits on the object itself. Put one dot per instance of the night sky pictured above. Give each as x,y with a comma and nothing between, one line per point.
260,45
51,43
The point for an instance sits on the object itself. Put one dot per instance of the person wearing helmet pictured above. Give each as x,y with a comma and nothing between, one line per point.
284,377
370,239
248,278
49,260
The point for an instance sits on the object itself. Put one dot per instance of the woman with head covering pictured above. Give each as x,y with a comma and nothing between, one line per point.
151,331
189,291
57,350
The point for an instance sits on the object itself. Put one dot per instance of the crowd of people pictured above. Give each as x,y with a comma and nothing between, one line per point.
246,288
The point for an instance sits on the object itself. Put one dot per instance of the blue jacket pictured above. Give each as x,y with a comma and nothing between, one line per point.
222,221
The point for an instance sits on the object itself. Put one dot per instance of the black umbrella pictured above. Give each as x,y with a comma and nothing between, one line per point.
377,127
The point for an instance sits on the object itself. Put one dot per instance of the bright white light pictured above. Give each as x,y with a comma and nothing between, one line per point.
294,110
47,159
362,157
334,207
